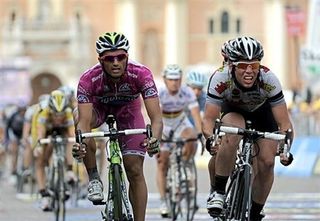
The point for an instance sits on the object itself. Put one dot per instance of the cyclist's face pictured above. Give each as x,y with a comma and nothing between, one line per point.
246,72
114,62
173,85
197,90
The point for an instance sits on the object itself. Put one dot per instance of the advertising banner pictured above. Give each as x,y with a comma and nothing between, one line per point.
15,85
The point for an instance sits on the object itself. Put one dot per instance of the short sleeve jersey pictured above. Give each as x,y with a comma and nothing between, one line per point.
96,87
223,88
184,99
45,118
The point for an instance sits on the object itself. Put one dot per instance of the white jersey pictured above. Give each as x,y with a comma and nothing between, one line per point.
223,88
174,106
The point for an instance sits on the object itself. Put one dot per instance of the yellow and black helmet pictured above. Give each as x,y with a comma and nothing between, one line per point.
58,101
111,41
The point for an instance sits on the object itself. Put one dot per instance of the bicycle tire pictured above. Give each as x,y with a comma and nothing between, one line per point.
117,194
184,197
59,196
232,195
192,176
240,194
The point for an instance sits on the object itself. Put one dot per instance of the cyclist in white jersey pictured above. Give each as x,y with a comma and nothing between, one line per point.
174,99
242,90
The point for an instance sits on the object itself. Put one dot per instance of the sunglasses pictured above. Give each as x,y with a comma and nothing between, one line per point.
111,59
255,65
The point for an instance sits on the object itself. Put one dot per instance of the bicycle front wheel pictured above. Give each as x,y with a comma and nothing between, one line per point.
59,196
117,195
238,195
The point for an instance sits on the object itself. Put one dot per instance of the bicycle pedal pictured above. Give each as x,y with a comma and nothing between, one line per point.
96,203
165,215
215,213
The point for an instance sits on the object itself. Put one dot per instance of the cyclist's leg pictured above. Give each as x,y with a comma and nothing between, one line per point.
162,168
41,161
264,177
133,150
263,120
137,184
224,162
95,187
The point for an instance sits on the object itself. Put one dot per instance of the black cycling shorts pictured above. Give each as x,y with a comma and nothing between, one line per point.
262,119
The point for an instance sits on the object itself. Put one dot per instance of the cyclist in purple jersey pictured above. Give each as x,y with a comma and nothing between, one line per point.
113,86
242,90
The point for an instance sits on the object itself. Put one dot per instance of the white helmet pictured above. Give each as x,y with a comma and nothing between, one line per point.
172,71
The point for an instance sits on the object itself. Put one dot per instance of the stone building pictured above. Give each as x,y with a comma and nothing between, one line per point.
59,35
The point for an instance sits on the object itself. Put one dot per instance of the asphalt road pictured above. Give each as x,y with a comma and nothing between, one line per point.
291,199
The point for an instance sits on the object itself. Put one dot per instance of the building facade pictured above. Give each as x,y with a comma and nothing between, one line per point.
59,35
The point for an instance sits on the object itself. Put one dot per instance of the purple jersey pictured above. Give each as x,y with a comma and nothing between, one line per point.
122,99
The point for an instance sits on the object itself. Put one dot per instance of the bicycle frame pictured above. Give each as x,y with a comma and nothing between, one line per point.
56,182
238,200
117,204
178,189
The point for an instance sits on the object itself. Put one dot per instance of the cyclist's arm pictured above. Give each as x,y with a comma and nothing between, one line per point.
195,113
211,113
84,117
154,113
281,116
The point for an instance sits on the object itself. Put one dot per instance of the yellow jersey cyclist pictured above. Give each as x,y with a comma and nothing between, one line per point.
29,136
57,117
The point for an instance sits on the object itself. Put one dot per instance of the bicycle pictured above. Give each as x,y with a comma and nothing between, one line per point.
26,182
117,205
56,182
181,185
238,194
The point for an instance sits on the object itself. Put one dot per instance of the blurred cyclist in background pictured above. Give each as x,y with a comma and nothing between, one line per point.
197,81
29,137
70,95
14,130
56,117
175,99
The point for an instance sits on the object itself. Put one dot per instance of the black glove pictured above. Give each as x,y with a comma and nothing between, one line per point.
79,151
287,162
153,146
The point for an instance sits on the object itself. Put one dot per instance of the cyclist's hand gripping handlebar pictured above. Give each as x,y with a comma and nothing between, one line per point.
286,157
79,148
213,142
153,144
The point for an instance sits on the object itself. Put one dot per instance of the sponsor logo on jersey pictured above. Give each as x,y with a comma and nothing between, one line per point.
124,88
150,92
97,77
82,98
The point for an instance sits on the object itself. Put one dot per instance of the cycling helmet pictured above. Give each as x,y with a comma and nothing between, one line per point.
44,100
172,71
57,102
196,79
111,41
224,48
244,48
67,90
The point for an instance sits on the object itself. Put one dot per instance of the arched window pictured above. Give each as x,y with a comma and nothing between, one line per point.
225,22
238,26
211,26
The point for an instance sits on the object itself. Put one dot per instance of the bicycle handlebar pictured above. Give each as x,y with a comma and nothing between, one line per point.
113,133
57,139
182,141
220,130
